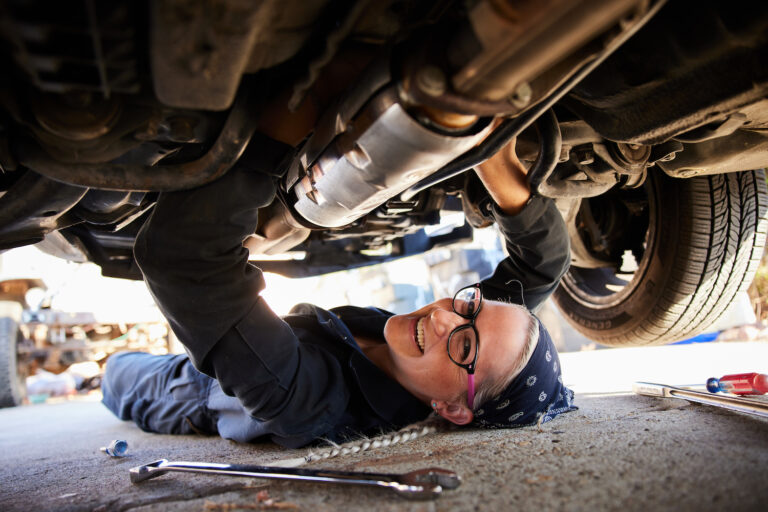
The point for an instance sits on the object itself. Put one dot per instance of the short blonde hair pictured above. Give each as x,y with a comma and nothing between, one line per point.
488,391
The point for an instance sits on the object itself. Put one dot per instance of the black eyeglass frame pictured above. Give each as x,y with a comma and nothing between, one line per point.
469,367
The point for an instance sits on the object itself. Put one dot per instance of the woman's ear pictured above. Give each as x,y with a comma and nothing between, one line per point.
455,413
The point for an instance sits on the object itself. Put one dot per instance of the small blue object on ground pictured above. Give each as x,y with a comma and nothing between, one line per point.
116,448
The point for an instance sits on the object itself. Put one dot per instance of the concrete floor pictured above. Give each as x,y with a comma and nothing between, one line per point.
618,452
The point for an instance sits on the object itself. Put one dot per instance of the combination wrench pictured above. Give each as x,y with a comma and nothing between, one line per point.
421,484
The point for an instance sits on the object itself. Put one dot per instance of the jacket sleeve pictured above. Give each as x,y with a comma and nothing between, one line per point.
191,254
538,252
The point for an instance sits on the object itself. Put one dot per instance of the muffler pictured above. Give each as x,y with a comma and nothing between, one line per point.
383,151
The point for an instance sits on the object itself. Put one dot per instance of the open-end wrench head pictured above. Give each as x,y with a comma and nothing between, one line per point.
147,471
416,491
436,476
425,484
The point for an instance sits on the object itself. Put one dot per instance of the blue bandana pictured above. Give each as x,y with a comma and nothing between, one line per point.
536,395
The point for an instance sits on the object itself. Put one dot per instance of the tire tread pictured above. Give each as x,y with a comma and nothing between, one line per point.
721,236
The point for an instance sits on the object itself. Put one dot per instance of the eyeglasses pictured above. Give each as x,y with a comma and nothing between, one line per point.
464,340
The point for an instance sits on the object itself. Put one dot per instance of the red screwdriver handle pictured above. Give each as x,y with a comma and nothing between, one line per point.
745,383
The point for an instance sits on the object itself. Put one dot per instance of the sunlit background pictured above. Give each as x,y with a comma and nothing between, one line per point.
399,286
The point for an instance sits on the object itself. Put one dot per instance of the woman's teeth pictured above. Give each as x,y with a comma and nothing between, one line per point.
420,333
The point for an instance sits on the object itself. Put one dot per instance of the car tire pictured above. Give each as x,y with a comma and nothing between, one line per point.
703,241
12,382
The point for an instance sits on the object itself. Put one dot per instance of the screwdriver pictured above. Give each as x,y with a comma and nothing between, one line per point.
740,384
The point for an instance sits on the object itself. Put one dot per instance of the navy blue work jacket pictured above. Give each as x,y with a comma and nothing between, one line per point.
368,402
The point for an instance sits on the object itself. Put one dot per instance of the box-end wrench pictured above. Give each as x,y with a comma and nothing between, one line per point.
422,484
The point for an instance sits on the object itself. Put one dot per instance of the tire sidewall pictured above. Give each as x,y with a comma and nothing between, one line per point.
13,390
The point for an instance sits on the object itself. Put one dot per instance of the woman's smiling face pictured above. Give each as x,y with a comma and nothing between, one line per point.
417,345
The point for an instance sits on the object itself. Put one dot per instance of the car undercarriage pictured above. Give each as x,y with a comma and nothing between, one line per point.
645,121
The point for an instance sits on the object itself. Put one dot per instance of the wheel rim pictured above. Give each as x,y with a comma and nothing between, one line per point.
608,286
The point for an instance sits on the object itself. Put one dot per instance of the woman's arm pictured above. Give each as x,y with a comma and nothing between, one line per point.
505,180
190,252
193,261
536,237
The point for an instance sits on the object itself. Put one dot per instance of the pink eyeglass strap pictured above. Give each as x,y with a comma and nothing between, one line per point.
471,390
